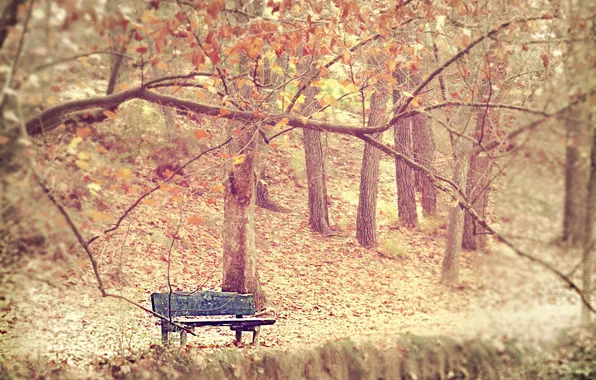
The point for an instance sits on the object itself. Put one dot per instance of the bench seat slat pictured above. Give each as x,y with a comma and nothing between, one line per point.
225,321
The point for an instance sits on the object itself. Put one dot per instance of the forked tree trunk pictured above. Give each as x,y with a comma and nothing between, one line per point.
366,220
424,154
318,214
404,175
450,270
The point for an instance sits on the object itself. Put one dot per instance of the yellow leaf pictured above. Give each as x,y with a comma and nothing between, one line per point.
122,86
110,114
162,66
84,156
219,188
282,123
239,159
148,17
99,216
124,173
82,164
195,220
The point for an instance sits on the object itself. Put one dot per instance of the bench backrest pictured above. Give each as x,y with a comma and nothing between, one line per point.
203,303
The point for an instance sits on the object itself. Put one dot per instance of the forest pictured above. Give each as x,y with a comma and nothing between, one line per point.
393,189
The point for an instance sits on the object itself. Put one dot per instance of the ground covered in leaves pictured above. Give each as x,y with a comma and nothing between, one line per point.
321,288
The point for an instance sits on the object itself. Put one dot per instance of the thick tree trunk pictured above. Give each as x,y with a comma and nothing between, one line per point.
424,154
450,270
318,214
240,271
366,220
239,260
404,175
576,178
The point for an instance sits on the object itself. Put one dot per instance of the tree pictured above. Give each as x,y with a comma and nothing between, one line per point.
318,215
366,219
240,267
404,175
424,153
450,270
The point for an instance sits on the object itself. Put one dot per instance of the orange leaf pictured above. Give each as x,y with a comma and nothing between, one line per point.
237,132
83,132
201,134
195,220
211,201
149,202
225,111
110,114
4,140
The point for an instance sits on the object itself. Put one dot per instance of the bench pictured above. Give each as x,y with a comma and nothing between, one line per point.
186,306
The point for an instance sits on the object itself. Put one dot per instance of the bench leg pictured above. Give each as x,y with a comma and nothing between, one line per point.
164,335
239,336
255,335
183,337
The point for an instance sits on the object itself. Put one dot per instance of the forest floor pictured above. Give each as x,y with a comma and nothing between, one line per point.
322,288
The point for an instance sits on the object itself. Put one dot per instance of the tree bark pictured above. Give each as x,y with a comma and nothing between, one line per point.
318,214
576,177
424,154
450,270
406,188
474,236
404,175
366,220
8,18
239,260
240,272
590,236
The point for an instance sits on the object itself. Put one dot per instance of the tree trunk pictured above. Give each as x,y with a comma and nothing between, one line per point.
404,175
477,192
318,215
590,236
239,260
366,220
450,271
424,154
576,177
240,272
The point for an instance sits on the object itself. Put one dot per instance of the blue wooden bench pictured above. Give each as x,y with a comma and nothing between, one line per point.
183,308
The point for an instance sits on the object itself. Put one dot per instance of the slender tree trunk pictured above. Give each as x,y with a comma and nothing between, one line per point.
366,221
590,236
450,271
8,18
318,214
406,189
576,177
477,192
404,175
424,154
